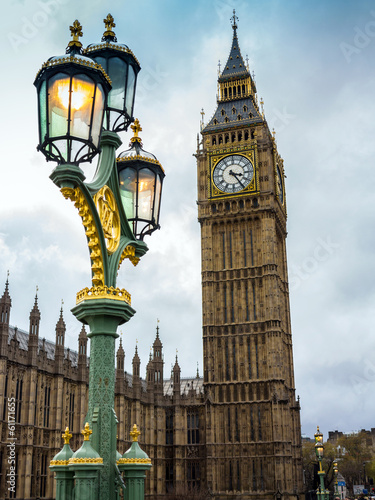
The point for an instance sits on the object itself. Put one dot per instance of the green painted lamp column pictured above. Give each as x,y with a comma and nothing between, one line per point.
134,463
103,316
60,465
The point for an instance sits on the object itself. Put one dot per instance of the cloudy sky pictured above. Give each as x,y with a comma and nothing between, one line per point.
314,67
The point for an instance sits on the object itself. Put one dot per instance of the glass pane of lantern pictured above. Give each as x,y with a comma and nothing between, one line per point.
102,61
146,189
130,90
98,114
58,104
117,74
157,199
42,111
82,98
128,190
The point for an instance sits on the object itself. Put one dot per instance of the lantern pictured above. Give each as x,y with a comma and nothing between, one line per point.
122,67
72,90
140,180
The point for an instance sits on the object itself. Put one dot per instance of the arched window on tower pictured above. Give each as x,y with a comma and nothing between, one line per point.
233,137
226,138
220,139
214,141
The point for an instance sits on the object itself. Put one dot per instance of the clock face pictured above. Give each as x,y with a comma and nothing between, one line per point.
233,173
280,190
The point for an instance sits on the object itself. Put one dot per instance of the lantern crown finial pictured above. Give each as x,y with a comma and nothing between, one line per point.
86,432
76,31
67,436
136,128
134,434
109,34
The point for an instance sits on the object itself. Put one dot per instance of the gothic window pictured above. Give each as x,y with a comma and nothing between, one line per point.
226,138
232,302
214,141
213,208
5,404
243,89
19,386
220,139
71,411
254,303
250,116
249,355
233,137
251,247
247,302
43,475
230,477
36,402
252,433
239,117
233,110
240,134
252,134
254,477
169,477
261,476
229,425
47,398
234,359
227,374
237,436
193,474
246,135
225,93
243,240
230,250
256,358
244,108
259,426
223,111
225,305
215,121
226,119
193,428
169,427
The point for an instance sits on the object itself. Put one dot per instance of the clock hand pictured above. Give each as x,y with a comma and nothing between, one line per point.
236,176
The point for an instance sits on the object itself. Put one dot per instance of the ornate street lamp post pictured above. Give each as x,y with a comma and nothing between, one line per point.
336,473
321,492
75,98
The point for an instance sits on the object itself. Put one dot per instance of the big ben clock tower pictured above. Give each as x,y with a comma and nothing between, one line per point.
253,435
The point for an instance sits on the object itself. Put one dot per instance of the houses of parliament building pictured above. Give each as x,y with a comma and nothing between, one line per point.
233,433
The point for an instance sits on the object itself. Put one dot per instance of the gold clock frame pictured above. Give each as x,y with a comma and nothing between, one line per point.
214,158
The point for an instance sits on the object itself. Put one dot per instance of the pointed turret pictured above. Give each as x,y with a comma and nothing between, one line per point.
176,380
158,364
60,331
82,354
120,374
34,331
60,340
5,305
136,372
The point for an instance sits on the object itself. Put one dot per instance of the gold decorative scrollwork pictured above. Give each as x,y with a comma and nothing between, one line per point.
79,200
109,215
129,253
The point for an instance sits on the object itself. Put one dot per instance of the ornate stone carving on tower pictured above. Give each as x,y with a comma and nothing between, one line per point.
253,443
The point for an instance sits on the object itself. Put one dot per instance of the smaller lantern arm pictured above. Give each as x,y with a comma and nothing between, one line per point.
110,141
126,232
